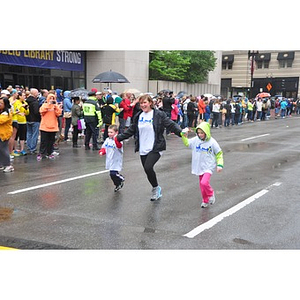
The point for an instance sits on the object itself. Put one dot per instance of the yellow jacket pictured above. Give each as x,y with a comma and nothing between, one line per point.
6,128
20,111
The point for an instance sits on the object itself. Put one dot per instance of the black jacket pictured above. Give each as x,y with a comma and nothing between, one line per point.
34,113
160,122
167,103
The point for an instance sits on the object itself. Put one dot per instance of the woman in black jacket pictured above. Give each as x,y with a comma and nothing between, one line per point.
148,126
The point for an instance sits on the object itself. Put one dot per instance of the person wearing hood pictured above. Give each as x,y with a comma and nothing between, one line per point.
59,96
207,155
49,111
67,106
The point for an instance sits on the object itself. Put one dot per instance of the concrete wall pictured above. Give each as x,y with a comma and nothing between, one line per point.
214,77
196,89
133,65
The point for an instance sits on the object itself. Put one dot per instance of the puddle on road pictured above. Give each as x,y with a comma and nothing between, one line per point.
242,241
5,213
248,147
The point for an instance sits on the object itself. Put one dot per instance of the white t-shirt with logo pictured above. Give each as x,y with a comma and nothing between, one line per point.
146,132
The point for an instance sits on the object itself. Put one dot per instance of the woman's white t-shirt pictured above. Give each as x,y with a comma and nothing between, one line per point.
146,132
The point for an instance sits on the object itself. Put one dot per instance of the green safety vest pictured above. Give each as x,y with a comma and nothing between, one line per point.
90,110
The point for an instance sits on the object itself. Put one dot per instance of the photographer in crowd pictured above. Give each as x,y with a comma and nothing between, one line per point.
49,111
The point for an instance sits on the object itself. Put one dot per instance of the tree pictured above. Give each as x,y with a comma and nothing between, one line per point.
187,66
201,62
168,65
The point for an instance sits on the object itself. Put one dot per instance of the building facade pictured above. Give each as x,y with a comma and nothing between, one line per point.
252,72
43,69
68,70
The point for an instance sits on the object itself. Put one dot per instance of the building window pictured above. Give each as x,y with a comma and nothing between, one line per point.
285,63
262,60
227,62
262,64
285,59
227,65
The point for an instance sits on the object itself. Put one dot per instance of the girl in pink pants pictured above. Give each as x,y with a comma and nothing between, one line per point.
206,156
206,189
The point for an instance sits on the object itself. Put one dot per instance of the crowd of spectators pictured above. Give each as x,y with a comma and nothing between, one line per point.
112,108
189,110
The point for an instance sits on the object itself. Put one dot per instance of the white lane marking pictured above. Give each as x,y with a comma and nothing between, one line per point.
55,182
255,137
228,212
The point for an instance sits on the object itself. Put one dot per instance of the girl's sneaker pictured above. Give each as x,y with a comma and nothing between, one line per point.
51,157
204,204
8,169
39,157
212,199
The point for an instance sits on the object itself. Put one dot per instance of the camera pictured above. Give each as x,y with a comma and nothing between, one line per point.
52,102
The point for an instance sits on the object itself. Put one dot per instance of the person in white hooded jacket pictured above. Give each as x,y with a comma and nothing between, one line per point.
207,155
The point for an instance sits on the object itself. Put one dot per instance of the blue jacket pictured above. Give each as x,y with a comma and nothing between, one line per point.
283,104
67,102
59,97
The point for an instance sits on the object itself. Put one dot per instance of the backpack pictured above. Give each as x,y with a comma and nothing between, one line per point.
272,103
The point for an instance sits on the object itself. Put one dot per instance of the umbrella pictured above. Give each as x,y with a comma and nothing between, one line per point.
110,77
208,95
263,95
132,91
181,94
165,91
80,92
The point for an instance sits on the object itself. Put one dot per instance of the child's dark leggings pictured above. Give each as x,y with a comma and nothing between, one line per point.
116,177
148,162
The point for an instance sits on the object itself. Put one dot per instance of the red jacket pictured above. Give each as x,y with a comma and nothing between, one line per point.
127,109
201,106
174,111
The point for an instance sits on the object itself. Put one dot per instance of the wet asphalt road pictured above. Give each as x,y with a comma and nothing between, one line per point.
79,212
